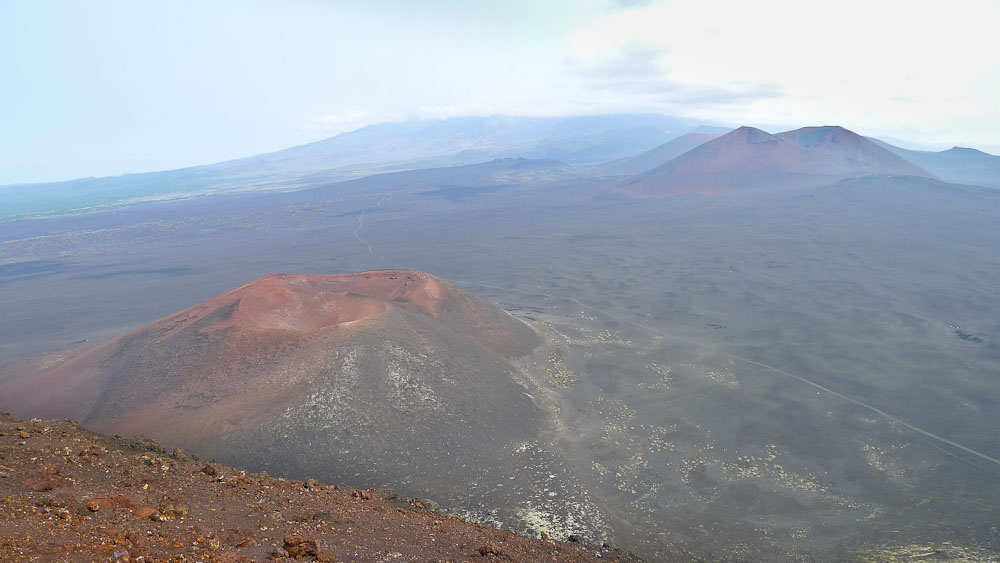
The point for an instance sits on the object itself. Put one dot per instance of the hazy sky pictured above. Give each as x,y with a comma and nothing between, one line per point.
100,88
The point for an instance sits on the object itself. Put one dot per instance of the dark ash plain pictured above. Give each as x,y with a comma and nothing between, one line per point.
713,367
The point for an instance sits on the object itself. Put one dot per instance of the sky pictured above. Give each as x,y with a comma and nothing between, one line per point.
102,88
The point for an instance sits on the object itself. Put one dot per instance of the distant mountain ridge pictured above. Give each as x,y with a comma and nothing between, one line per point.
749,159
383,147
959,165
469,139
628,144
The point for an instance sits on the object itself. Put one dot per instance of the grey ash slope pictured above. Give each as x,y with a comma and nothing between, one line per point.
405,403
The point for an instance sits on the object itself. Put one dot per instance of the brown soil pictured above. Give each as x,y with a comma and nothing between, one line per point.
67,494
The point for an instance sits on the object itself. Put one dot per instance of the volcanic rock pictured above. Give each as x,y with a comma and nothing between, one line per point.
298,547
231,525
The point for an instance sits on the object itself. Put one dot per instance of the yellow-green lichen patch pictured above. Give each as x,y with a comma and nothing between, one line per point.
694,468
550,362
879,458
608,337
750,467
616,430
556,373
613,410
724,376
599,469
556,518
943,551
52,360
627,473
657,439
569,336
766,470
663,378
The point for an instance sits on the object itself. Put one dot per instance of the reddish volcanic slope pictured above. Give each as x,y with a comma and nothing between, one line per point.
748,158
69,495
395,354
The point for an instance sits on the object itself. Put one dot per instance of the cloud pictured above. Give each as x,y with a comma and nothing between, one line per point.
627,4
642,72
737,62
333,124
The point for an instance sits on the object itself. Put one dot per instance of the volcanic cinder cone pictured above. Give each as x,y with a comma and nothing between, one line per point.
751,159
383,375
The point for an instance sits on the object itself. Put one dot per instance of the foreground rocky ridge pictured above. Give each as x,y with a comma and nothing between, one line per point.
67,494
